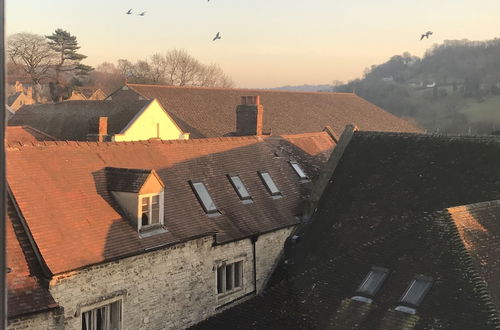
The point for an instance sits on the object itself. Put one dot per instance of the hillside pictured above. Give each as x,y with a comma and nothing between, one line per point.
454,88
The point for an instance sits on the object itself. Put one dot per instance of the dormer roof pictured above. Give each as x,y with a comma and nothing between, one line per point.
129,179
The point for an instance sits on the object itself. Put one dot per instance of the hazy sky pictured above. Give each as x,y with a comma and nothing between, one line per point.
265,43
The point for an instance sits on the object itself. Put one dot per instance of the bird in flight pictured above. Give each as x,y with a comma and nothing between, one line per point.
217,36
129,12
426,35
142,14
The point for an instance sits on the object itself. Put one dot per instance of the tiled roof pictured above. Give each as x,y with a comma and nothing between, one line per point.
25,292
64,184
73,120
383,207
126,179
211,112
25,134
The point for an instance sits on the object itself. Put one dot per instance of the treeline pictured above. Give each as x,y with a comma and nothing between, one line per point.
436,90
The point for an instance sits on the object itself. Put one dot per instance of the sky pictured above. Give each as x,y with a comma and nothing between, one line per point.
265,43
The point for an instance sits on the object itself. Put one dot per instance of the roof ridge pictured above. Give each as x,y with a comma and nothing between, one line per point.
475,206
237,89
430,136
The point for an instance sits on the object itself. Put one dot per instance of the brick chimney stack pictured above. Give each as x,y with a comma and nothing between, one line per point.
103,128
249,116
29,92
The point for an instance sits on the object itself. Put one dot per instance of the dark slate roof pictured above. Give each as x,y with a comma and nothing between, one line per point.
126,179
383,207
25,135
73,120
211,112
73,173
26,294
13,97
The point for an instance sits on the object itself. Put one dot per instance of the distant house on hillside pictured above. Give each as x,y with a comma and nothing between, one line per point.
94,94
20,97
101,120
210,112
76,96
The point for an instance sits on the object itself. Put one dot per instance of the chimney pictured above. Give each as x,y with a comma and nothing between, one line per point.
30,92
249,116
103,129
19,87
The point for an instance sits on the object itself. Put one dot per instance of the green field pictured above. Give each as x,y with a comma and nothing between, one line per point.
488,110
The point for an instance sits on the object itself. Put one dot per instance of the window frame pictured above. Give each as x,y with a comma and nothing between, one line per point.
161,202
373,270
102,304
215,211
276,194
225,265
248,198
428,279
304,178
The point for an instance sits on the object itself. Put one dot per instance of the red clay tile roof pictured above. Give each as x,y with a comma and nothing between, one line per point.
60,188
126,179
25,135
73,120
25,292
211,112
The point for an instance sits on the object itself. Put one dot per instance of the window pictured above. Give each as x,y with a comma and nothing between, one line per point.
302,175
416,291
204,197
229,277
150,210
107,317
270,185
373,281
240,188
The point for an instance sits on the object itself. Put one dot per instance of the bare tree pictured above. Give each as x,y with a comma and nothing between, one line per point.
32,53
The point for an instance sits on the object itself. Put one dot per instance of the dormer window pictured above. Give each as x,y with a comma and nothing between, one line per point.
270,185
140,193
296,167
414,294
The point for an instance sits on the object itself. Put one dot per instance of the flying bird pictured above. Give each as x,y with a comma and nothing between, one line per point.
142,14
426,35
217,36
129,12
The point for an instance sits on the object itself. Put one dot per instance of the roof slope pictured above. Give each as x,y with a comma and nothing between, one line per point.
383,207
73,120
67,184
25,135
25,292
211,112
320,298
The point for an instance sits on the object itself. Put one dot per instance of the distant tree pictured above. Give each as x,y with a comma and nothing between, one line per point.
66,45
32,53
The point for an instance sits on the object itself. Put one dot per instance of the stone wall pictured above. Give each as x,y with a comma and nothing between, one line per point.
170,288
50,320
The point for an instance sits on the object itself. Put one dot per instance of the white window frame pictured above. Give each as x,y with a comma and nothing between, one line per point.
298,170
139,209
108,302
268,181
234,289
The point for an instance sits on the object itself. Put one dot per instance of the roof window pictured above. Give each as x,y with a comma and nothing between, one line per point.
240,188
302,175
371,284
269,183
415,293
204,197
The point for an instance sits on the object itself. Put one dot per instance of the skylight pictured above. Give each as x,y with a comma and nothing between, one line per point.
204,197
416,291
270,185
240,188
373,281
302,175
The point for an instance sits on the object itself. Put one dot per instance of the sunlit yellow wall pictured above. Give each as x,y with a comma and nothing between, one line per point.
145,126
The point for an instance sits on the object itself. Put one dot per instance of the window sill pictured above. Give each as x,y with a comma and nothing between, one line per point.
229,293
151,230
